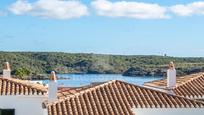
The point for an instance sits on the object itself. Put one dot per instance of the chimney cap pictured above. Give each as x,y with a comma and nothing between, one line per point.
171,65
53,76
6,66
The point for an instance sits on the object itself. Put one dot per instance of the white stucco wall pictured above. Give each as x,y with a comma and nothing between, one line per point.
168,111
24,105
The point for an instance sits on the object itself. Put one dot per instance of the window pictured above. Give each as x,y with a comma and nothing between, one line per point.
7,111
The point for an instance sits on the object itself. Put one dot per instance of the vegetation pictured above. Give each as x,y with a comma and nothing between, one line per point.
35,63
22,72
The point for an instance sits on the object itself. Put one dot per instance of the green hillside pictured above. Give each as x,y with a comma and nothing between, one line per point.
34,63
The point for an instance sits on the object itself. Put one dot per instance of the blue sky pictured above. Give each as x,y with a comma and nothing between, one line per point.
118,29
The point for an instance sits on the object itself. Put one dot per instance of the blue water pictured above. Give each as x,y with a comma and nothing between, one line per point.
77,80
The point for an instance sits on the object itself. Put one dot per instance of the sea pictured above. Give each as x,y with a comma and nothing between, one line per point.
79,80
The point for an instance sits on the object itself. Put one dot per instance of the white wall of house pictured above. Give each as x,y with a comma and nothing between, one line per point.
168,111
24,105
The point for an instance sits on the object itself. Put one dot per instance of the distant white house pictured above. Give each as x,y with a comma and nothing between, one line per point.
18,97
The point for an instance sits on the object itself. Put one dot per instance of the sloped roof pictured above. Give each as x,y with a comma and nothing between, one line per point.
191,86
11,86
116,98
64,92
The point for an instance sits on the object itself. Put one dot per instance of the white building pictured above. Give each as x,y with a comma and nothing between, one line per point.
18,97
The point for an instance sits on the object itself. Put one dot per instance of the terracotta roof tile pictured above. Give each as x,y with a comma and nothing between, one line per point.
116,98
191,86
11,86
64,92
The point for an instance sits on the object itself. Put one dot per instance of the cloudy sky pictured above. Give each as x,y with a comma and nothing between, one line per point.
130,27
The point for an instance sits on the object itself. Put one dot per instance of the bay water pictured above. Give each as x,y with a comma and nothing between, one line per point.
78,80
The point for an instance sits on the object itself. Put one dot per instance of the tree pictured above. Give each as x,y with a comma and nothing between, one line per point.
22,72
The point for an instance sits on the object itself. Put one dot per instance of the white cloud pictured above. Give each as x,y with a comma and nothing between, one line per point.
20,7
195,8
67,9
56,9
136,10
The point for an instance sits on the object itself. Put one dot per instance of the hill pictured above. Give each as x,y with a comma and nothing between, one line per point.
34,63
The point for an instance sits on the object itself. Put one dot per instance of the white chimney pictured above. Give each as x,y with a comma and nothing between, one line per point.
52,88
6,70
171,76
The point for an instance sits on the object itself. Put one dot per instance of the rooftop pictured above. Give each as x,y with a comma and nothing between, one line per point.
116,97
108,98
191,86
11,86
64,92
